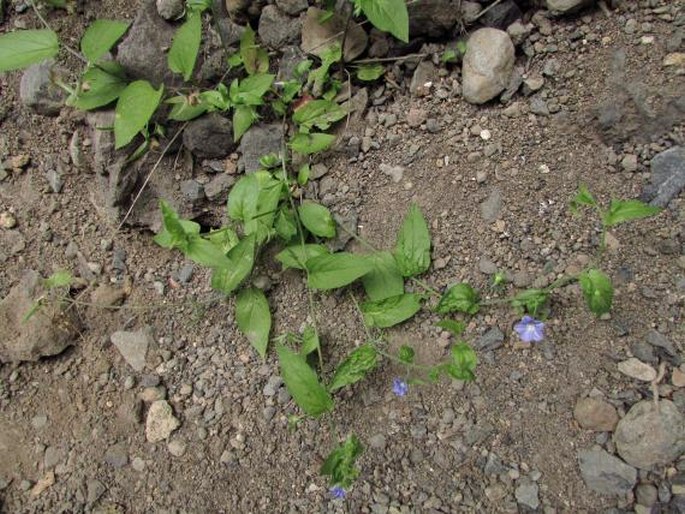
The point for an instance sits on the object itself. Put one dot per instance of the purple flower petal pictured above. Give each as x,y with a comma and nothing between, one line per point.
338,492
530,330
399,387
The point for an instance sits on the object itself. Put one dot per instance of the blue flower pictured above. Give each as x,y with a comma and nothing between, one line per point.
530,330
338,492
399,387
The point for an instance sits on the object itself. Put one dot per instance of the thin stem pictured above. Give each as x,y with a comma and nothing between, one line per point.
390,59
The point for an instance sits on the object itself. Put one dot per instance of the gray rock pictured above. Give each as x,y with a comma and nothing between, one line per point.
95,489
47,332
218,187
38,90
396,173
160,422
258,141
649,436
494,466
177,447
595,414
133,347
192,190
209,137
432,18
424,75
646,494
350,221
491,340
377,441
635,368
660,341
668,176
229,31
143,52
487,66
170,9
527,494
492,206
53,456
486,266
117,455
277,29
55,180
606,474
566,6
292,7
501,15
317,37
185,274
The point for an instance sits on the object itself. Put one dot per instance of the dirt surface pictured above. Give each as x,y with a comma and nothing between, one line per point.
78,419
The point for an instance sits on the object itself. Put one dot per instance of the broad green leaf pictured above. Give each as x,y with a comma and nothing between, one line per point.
297,256
340,463
242,199
318,113
206,253
583,197
530,300
626,210
336,270
456,328
176,232
459,298
254,201
185,46
391,311
253,318
355,367
58,279
198,5
241,256
310,341
254,58
250,90
597,290
370,72
243,118
384,280
317,219
285,224
100,37
23,48
136,104
307,144
412,250
186,108
388,15
99,87
464,361
225,238
406,354
303,175
302,383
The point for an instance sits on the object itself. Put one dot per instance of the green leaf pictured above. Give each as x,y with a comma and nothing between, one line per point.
384,280
253,318
310,341
302,383
391,311
254,201
243,118
355,367
303,175
227,279
583,197
98,87
100,37
307,144
185,46
370,72
297,256
464,361
459,298
206,253
406,354
340,463
23,48
317,219
251,89
186,108
530,300
412,250
388,15
597,290
318,113
626,210
254,58
456,328
336,270
136,104
58,279
198,5
285,224
225,238
176,233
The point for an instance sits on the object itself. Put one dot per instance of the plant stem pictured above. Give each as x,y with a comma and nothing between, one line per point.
47,26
